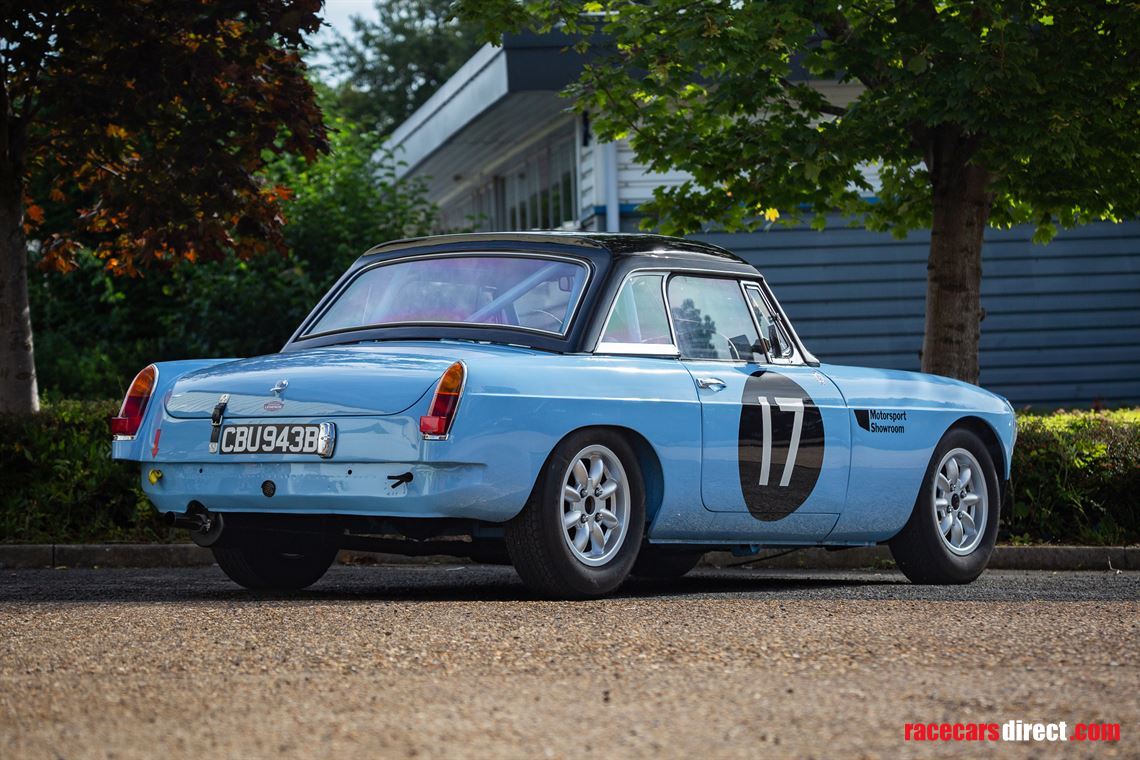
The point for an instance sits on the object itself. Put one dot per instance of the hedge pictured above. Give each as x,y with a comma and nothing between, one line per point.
58,482
1076,479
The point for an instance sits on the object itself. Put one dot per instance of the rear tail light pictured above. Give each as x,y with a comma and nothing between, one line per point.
131,413
437,422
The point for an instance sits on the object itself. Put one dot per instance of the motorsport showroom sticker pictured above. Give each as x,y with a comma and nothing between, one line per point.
879,421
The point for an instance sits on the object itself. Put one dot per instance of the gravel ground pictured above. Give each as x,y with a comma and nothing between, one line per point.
447,661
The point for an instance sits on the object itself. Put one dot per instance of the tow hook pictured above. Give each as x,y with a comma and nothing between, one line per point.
205,527
401,479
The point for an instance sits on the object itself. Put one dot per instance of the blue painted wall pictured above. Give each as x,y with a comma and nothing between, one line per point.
1062,324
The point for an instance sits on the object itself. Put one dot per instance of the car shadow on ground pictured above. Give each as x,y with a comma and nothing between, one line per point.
361,584
443,583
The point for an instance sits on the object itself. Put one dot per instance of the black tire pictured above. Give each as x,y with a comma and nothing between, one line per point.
535,539
919,549
281,562
659,563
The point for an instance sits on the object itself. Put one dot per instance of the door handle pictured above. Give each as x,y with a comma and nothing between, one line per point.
711,383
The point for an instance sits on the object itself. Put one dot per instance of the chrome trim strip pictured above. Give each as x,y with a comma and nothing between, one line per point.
793,361
645,272
666,273
637,349
752,314
668,311
804,356
721,276
573,312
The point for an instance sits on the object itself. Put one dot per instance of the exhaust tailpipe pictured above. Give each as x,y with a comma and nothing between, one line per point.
205,527
188,520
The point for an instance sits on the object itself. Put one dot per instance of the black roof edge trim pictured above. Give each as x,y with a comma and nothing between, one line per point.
508,337
617,243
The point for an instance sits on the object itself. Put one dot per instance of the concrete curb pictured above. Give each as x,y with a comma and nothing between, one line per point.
104,555
189,555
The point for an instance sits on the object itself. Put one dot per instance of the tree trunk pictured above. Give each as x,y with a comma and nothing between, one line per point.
18,391
962,203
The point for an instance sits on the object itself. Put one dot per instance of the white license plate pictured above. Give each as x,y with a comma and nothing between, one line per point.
278,439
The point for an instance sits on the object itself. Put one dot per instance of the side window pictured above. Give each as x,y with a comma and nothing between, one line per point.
639,314
779,345
712,320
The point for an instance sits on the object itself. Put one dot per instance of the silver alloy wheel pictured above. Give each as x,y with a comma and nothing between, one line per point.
961,501
595,505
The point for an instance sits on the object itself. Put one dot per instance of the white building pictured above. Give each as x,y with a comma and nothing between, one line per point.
501,150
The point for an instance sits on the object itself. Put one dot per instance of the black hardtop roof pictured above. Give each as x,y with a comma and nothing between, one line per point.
590,244
611,256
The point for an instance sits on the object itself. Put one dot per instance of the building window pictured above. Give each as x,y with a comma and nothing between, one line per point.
536,193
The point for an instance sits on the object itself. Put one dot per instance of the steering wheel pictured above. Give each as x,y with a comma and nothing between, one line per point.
556,321
731,346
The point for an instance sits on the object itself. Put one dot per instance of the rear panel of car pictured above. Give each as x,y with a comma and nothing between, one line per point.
517,404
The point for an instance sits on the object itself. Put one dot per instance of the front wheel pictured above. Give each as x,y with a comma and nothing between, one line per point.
578,536
272,562
952,530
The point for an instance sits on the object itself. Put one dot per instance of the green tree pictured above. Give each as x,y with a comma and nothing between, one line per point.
96,330
157,116
345,202
994,112
390,66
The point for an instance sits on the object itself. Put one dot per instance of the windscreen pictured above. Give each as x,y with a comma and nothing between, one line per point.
522,292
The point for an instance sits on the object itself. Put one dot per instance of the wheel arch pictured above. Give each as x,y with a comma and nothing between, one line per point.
989,437
653,475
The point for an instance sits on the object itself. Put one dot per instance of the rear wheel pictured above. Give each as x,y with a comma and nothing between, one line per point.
952,530
579,535
275,562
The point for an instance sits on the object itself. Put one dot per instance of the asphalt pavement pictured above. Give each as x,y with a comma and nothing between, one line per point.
428,661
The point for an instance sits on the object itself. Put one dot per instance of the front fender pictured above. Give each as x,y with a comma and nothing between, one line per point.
889,456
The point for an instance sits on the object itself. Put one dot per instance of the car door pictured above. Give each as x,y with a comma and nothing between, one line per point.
776,438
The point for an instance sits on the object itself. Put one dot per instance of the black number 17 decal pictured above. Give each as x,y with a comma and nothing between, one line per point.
796,407
780,445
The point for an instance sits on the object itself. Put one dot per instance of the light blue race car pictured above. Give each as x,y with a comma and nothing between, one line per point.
585,406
